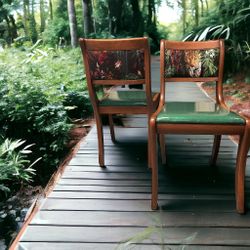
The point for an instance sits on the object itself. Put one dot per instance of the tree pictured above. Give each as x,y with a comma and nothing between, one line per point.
87,17
72,23
184,15
50,10
137,27
32,23
196,11
42,16
26,17
151,27
115,12
8,29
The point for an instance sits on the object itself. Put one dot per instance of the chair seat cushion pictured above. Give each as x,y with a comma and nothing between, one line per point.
125,98
197,112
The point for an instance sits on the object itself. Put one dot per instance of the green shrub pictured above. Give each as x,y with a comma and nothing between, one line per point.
15,166
41,89
56,28
77,104
58,73
26,112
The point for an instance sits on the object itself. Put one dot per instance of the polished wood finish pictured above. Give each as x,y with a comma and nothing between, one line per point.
117,45
216,129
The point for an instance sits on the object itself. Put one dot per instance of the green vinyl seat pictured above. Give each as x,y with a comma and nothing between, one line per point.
197,113
125,98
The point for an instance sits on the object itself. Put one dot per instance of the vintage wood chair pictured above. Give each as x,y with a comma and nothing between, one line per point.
196,62
111,64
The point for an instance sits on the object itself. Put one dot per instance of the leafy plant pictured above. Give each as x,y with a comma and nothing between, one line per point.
15,166
230,21
28,113
39,94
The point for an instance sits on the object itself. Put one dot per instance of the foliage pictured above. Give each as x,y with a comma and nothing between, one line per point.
56,29
230,21
37,96
27,113
15,166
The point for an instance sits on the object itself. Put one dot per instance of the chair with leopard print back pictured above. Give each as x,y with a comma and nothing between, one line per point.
196,62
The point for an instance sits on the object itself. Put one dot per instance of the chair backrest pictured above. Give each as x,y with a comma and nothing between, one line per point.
114,62
191,61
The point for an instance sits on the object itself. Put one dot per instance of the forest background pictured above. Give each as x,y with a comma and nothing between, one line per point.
43,91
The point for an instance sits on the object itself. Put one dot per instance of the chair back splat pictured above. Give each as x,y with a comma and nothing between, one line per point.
118,79
196,62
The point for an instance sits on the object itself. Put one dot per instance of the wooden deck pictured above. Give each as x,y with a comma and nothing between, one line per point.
94,208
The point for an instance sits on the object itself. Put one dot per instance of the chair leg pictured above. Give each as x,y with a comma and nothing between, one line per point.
215,150
100,140
243,148
149,144
111,128
154,166
163,148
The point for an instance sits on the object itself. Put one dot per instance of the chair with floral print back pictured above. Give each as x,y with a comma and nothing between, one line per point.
111,64
196,62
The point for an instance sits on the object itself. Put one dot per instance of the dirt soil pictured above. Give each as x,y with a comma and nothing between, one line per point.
237,96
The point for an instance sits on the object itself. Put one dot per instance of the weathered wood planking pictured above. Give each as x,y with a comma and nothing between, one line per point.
94,208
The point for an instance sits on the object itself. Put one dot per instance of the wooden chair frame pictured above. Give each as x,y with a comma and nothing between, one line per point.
211,129
117,45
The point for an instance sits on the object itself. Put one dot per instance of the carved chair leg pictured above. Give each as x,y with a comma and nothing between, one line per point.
215,150
243,148
112,129
100,140
163,148
154,165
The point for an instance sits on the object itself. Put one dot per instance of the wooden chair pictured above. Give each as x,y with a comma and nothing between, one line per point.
196,62
111,64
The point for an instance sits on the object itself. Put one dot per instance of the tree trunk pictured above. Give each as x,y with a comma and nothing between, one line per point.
32,23
196,6
72,23
150,12
50,10
13,27
93,4
25,17
115,13
87,17
202,8
9,38
137,28
184,16
206,5
42,16
151,26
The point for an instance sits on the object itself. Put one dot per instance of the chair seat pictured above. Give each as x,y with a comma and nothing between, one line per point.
125,98
197,113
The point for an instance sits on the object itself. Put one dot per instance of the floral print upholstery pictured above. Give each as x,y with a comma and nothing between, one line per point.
116,65
191,63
